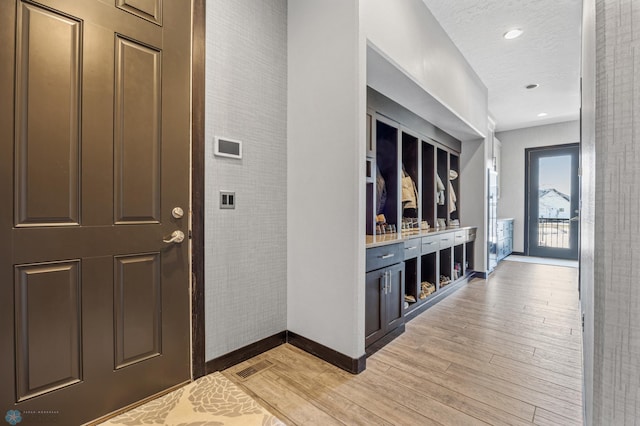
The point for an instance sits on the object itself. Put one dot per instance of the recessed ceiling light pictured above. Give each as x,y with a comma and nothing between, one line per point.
542,114
531,86
514,33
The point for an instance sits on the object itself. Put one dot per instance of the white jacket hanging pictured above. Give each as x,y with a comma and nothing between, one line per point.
439,190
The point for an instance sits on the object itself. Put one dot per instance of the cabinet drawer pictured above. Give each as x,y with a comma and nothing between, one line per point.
430,244
379,257
412,248
471,234
446,240
460,237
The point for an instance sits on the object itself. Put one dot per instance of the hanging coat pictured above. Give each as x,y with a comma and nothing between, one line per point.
409,192
439,190
452,194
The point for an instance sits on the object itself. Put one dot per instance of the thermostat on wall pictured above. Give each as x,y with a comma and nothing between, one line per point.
225,147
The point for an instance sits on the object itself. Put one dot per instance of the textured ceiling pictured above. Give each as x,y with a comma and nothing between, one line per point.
548,54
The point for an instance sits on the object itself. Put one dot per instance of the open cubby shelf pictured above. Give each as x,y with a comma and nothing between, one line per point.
428,184
412,180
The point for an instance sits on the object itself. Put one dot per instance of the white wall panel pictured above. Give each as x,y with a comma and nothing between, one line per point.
326,159
473,195
407,35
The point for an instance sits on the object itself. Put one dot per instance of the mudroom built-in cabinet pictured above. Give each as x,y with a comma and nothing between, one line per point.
418,247
384,292
504,230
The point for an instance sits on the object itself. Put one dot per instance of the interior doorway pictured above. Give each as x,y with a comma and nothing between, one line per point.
552,201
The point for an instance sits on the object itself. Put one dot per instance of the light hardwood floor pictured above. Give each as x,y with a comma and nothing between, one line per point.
503,351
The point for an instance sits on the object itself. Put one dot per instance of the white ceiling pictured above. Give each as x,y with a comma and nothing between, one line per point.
548,54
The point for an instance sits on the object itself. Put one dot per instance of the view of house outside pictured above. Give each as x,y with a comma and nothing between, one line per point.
554,201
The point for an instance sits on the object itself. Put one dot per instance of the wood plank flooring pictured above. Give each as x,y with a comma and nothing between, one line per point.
503,351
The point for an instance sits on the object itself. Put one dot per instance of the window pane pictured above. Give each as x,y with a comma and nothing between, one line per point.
554,201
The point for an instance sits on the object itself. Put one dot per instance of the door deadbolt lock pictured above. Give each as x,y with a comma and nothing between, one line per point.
176,238
177,212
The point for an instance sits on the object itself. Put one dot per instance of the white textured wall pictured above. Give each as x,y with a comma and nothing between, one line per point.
326,179
473,195
246,99
512,191
410,36
616,374
588,197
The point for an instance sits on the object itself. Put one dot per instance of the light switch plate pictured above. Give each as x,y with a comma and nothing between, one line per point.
227,199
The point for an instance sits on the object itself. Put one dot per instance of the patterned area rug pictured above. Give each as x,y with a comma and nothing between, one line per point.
209,401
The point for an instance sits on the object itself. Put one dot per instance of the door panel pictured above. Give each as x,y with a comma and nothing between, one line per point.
47,85
146,9
395,297
374,309
137,301
94,306
47,333
137,130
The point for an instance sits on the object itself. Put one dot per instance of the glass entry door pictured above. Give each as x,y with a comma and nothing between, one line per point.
552,201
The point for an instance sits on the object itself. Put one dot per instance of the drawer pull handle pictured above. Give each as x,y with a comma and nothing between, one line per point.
411,248
430,242
459,236
387,256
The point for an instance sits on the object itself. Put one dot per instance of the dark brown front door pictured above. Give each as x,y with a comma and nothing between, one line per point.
94,157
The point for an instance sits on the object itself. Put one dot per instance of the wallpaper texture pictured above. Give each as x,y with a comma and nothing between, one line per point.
616,387
246,100
588,197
